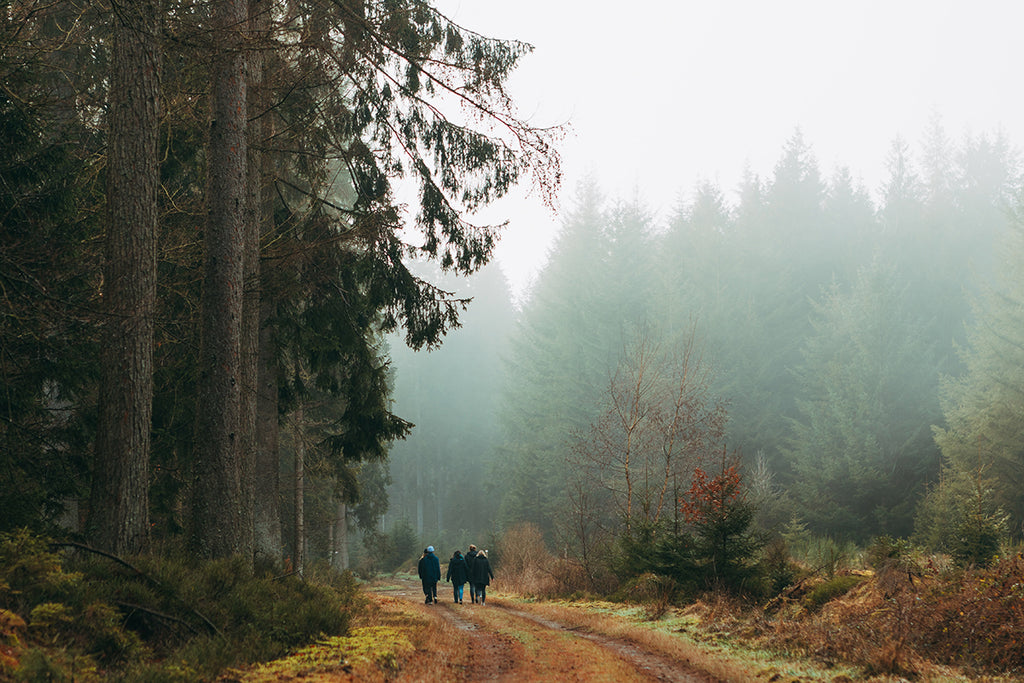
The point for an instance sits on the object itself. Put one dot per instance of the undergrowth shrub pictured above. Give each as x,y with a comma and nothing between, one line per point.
654,591
154,618
830,589
978,618
777,567
971,618
525,562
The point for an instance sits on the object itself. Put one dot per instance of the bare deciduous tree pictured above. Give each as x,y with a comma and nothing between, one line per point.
660,422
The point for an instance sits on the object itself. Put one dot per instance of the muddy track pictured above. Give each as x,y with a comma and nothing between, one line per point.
493,656
510,644
647,663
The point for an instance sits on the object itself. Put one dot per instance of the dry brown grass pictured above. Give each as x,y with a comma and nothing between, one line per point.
667,645
526,565
440,648
919,623
868,634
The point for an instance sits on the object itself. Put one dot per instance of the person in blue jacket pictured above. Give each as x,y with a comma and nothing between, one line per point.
458,574
429,570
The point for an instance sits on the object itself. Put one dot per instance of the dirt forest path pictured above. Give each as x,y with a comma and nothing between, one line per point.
502,642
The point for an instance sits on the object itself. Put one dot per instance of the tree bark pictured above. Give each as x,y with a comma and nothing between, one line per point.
298,429
119,509
267,536
339,558
267,513
218,511
256,215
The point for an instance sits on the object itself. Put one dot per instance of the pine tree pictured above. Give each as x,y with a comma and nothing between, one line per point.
559,360
50,258
119,506
860,447
983,426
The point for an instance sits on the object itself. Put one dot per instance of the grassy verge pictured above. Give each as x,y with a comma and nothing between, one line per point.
924,626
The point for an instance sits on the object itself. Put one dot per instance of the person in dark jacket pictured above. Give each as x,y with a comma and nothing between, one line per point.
480,575
470,556
429,569
458,574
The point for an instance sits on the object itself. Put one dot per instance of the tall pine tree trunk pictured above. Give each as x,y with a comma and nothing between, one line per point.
267,513
267,538
219,504
256,214
339,558
119,510
298,433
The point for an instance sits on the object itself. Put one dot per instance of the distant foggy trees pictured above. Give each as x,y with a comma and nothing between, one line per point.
861,440
981,438
829,315
441,475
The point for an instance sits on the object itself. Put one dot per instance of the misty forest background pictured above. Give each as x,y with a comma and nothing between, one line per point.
337,370
865,343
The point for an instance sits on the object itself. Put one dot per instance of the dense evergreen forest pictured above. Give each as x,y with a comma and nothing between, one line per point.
245,310
208,215
854,351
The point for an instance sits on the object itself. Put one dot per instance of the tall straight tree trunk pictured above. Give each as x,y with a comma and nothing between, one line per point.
267,499
119,509
300,486
255,206
267,540
339,558
219,504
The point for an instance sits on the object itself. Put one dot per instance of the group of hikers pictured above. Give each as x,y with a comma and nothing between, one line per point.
473,568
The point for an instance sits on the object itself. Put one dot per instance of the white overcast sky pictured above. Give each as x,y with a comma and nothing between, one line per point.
662,95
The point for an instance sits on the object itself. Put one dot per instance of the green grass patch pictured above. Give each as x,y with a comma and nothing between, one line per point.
831,589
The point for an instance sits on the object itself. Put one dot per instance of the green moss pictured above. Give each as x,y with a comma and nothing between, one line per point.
831,589
381,646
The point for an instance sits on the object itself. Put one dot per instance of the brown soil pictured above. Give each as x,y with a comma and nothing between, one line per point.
503,643
473,642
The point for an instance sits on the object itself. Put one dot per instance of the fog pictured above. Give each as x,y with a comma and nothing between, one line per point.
667,95
815,193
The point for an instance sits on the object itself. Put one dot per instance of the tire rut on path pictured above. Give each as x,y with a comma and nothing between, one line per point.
492,654
497,656
658,668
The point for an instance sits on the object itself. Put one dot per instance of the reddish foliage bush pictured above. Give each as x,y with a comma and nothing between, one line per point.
711,496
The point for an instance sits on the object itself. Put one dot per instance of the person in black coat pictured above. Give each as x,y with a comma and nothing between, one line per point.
458,574
480,575
429,569
470,556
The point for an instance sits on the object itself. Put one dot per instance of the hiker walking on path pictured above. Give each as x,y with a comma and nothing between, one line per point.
480,575
429,569
470,556
458,574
